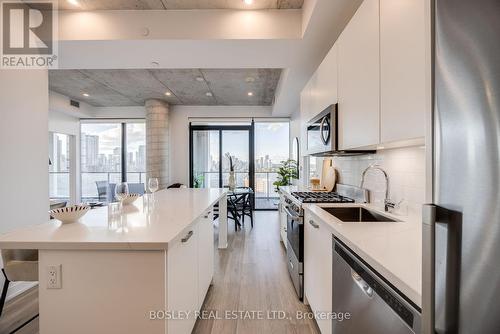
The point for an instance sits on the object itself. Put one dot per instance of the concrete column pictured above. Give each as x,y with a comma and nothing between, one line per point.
157,141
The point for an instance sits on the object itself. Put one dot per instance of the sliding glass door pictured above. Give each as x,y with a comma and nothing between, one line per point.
237,144
271,149
258,151
210,148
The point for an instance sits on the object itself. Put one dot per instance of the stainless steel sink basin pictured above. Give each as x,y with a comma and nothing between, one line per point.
357,214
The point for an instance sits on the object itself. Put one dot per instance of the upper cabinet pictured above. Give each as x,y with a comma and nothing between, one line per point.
378,72
359,79
325,83
403,55
321,90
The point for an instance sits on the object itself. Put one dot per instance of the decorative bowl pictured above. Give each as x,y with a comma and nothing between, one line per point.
130,198
69,214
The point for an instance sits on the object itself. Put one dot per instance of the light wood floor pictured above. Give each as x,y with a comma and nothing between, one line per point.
251,275
19,310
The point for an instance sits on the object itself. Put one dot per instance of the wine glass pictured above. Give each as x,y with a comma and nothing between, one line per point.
153,184
121,192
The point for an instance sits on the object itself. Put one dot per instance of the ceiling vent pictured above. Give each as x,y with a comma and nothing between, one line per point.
74,103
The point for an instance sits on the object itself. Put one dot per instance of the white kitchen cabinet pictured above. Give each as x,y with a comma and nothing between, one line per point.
325,85
283,221
205,256
182,279
403,55
318,268
359,79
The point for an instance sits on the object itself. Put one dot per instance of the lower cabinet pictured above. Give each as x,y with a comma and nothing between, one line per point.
205,256
190,267
318,268
283,220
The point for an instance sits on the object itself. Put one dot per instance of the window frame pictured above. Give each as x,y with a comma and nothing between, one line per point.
123,142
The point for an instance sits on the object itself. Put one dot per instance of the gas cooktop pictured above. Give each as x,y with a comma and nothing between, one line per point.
320,197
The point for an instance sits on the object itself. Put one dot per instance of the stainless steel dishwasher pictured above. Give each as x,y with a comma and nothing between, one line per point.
375,306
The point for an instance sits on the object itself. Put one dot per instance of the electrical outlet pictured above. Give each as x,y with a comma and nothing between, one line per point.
54,277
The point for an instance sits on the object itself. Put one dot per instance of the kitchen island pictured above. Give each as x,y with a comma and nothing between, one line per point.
120,274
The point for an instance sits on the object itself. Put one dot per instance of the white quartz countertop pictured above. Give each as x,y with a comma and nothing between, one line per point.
393,249
138,228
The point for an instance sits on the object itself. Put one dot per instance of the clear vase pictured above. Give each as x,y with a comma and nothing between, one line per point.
232,181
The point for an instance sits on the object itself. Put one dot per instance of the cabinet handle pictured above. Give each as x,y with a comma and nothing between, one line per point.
187,237
313,224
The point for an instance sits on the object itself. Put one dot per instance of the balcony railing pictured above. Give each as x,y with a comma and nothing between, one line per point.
264,187
89,179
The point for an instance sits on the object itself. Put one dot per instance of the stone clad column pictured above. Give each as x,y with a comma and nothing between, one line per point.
157,141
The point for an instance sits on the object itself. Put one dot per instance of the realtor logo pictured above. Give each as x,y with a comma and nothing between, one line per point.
28,34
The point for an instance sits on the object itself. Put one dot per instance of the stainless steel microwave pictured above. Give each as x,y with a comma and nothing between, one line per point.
322,131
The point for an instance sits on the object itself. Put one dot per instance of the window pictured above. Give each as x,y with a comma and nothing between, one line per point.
136,152
271,148
59,166
111,152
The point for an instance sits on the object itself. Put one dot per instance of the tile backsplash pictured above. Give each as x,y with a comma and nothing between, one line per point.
404,166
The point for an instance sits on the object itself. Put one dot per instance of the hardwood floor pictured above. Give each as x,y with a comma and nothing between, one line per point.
19,310
251,275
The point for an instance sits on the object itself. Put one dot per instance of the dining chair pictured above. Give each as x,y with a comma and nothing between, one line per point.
102,190
232,210
18,265
244,207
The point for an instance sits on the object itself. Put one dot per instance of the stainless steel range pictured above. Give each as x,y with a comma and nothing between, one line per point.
295,224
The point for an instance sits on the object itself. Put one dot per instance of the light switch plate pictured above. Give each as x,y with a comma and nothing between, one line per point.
54,276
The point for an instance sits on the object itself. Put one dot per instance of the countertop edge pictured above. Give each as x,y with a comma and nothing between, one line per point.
125,245
400,284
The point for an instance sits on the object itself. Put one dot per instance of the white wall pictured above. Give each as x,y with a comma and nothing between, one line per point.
24,150
179,132
120,112
61,103
24,145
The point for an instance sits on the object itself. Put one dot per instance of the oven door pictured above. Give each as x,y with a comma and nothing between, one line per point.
295,233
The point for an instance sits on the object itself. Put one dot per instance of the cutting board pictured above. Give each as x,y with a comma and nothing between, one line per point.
328,175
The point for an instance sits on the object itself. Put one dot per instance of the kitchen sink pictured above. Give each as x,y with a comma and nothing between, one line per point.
357,214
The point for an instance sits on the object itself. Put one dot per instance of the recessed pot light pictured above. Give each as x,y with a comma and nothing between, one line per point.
209,94
248,2
380,147
250,93
168,93
85,94
73,2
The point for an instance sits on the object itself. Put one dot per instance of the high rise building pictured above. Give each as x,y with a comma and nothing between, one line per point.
90,150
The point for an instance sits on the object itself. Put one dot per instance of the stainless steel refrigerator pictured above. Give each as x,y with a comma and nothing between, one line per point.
461,230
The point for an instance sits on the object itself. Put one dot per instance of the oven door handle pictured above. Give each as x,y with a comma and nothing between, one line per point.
291,215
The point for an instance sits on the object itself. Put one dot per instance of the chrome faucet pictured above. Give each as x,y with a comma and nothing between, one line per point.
387,203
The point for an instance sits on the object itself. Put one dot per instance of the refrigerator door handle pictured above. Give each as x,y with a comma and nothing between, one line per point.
440,269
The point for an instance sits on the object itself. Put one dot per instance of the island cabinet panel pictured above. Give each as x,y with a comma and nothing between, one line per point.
205,256
359,79
318,268
110,292
182,280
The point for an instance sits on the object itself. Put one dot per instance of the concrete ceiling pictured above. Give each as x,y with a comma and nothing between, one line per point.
294,40
131,87
178,4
